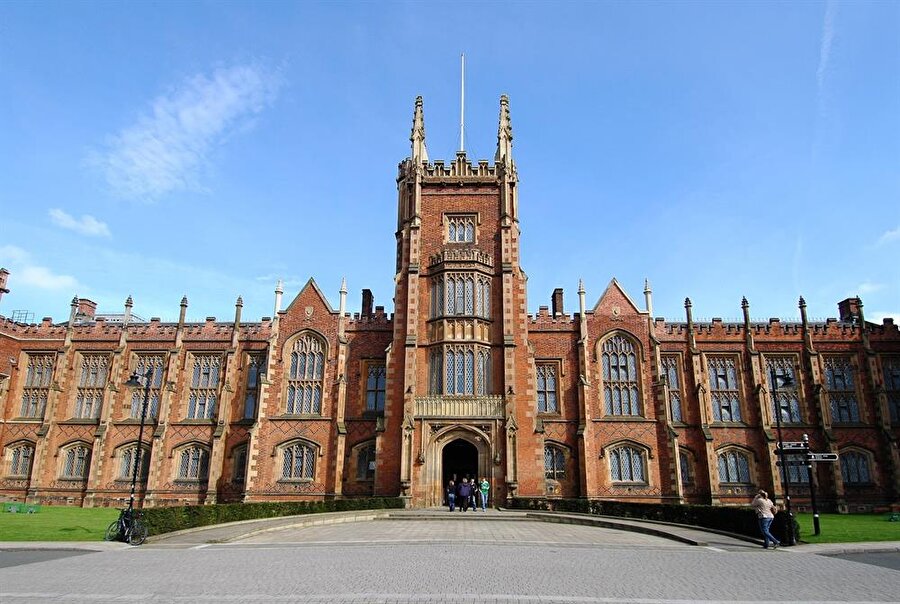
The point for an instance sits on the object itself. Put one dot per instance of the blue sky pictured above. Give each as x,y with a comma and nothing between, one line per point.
207,149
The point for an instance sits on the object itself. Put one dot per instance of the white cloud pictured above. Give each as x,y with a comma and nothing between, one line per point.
26,272
167,147
868,287
87,225
827,40
889,236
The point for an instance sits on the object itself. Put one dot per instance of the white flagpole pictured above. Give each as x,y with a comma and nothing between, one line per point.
462,102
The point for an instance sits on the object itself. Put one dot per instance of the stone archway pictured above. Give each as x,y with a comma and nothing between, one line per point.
460,450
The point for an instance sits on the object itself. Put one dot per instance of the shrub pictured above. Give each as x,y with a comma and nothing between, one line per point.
731,519
167,519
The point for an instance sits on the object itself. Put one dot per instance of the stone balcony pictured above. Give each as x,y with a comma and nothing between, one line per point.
460,407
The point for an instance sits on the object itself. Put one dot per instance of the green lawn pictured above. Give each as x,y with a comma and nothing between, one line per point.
848,528
57,523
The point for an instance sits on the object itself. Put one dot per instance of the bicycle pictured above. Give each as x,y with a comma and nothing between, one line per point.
128,528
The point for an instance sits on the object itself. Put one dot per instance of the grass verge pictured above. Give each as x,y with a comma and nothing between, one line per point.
849,528
57,523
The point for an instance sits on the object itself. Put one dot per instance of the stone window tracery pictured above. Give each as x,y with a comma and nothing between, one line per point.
724,389
465,367
76,462
554,462
620,381
153,363
461,294
126,463
841,390
298,461
855,468
784,400
256,365
734,467
546,388
375,387
670,371
304,391
627,464
891,369
461,228
20,458
204,387
193,463
37,385
91,386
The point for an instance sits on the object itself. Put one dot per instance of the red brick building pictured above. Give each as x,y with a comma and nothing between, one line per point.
605,402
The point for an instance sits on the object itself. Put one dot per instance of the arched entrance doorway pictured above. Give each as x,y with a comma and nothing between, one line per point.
459,460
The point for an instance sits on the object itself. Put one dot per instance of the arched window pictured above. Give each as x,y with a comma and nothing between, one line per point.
891,369
375,387
37,384
204,387
466,368
239,463
546,388
91,386
304,391
673,380
155,365
20,457
841,390
76,462
620,385
627,464
193,463
734,467
684,463
554,462
784,400
724,390
126,463
855,468
365,462
298,461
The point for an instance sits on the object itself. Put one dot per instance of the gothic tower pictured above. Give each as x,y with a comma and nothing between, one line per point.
458,355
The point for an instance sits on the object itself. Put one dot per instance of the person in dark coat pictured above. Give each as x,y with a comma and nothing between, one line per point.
465,494
451,495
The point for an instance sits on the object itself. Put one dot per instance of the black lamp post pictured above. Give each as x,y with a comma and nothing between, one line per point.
135,382
786,383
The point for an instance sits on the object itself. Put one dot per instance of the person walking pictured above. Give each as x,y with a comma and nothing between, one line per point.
451,495
472,499
765,512
465,494
485,487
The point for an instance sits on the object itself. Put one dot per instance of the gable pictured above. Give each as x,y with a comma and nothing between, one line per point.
615,296
309,296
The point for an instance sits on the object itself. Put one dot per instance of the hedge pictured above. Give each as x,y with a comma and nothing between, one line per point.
731,519
167,519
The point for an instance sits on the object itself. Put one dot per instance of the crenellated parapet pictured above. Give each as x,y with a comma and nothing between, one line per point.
544,320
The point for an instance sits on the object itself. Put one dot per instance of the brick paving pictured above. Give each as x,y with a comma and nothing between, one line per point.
431,559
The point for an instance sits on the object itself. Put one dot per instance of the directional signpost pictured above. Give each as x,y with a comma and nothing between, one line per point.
822,456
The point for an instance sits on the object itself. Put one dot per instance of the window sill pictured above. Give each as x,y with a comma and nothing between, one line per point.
73,478
721,424
295,480
851,425
192,481
300,416
83,421
624,418
195,422
631,485
27,420
135,421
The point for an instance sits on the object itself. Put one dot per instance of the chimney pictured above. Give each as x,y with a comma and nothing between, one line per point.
556,302
86,309
367,300
849,310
